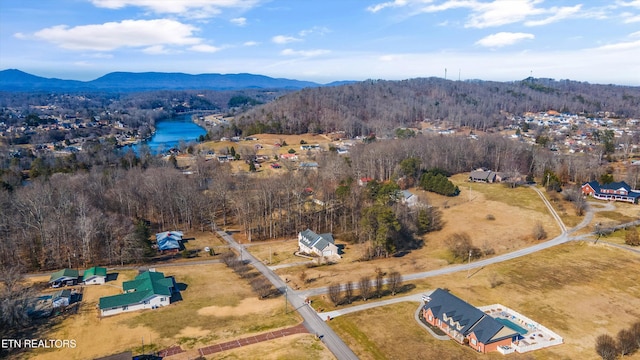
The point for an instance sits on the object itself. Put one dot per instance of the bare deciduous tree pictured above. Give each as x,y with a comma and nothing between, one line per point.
348,292
365,287
539,233
262,286
395,282
606,347
379,283
334,294
631,237
626,342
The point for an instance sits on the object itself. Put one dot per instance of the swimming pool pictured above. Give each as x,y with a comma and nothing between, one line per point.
513,326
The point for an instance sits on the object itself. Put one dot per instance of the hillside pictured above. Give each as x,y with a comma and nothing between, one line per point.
379,106
16,80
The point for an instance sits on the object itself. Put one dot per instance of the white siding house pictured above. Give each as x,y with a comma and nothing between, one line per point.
322,245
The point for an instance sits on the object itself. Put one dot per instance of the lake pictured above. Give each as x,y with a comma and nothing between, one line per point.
169,133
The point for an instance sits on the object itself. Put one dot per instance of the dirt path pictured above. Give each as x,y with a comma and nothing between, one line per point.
212,349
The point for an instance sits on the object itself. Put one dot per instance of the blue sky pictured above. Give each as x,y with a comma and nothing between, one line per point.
595,41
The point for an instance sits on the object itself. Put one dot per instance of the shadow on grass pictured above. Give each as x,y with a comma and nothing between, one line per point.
112,277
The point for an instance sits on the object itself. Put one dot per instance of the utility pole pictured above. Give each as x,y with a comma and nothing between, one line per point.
469,269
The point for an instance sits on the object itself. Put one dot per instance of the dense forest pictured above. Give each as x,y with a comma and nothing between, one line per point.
104,211
379,106
100,205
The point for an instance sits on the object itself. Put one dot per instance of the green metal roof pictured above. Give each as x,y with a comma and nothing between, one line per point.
94,271
145,285
69,273
135,297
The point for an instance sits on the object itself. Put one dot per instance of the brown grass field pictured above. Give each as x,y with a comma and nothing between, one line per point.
217,306
577,290
512,229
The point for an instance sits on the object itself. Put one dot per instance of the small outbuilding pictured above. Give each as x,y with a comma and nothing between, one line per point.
94,276
64,277
61,298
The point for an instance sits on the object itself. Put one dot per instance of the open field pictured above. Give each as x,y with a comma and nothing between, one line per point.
618,236
217,306
511,229
577,289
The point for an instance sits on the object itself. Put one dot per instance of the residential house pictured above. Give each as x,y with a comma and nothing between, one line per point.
465,323
408,198
61,298
64,277
148,290
310,147
616,191
484,176
322,245
169,241
95,275
308,166
290,157
363,181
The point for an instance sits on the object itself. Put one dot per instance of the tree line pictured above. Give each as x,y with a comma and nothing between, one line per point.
98,206
380,107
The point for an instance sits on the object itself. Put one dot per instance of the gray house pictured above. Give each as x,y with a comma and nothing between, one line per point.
484,176
322,245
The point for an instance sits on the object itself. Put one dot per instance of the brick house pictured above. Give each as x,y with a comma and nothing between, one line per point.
465,323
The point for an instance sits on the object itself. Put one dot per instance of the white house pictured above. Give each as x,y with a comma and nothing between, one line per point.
148,290
408,198
94,276
321,245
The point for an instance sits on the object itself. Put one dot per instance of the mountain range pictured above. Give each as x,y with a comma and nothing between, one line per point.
16,80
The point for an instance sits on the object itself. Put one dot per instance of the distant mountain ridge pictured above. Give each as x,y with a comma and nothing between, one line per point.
16,80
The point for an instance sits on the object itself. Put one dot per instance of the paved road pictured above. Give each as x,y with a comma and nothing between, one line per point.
312,321
371,304
560,239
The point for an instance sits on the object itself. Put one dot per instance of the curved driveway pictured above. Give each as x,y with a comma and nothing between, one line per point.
560,239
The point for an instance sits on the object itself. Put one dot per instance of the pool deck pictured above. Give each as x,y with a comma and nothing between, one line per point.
534,336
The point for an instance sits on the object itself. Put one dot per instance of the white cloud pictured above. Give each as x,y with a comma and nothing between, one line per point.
191,8
388,58
378,7
314,30
239,21
20,36
127,33
503,39
156,50
251,43
558,14
282,39
502,12
204,48
484,14
634,3
635,34
630,18
304,53
621,46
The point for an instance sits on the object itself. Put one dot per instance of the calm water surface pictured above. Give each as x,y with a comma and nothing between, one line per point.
170,132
